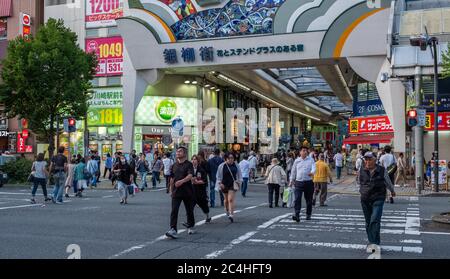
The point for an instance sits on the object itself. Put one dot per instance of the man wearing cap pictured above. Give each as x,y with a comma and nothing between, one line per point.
321,176
373,181
302,174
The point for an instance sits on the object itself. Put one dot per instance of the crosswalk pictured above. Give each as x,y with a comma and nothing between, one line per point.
344,228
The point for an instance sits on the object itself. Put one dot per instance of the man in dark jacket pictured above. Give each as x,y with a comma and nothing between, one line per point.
213,165
374,180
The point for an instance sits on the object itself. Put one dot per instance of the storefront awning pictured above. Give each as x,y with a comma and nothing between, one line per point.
5,8
369,139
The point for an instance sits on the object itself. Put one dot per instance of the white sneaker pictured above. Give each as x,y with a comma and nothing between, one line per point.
172,233
191,231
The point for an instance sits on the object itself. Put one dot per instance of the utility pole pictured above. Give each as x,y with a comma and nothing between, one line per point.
418,133
436,116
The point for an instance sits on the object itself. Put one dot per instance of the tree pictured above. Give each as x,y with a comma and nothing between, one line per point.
446,63
45,77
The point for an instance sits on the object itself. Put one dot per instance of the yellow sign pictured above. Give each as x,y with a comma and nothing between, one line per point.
428,122
354,126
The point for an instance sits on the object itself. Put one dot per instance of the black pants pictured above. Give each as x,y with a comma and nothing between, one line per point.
306,187
167,183
106,170
201,198
272,188
188,205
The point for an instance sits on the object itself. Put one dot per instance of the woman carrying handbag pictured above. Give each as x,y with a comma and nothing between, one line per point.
229,179
276,177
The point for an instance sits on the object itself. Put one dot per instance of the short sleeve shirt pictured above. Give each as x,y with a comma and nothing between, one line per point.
178,172
58,162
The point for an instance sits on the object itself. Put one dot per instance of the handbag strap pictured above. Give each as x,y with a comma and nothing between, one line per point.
230,172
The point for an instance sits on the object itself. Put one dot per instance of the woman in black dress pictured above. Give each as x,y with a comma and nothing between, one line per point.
229,178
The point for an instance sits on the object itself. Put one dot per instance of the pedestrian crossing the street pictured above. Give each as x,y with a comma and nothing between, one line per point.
344,228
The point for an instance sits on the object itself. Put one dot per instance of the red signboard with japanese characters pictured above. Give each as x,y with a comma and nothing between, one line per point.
369,125
109,53
103,13
443,118
20,143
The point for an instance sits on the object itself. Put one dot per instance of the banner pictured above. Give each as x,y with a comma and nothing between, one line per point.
444,121
109,52
442,172
103,13
367,125
105,107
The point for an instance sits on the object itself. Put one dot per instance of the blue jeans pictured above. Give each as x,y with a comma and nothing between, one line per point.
338,172
42,182
155,177
244,186
60,180
212,194
373,210
75,186
143,176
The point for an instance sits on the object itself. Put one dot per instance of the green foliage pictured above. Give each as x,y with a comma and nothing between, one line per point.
446,63
47,76
18,170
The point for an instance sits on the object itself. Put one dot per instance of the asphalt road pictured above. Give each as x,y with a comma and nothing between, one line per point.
103,228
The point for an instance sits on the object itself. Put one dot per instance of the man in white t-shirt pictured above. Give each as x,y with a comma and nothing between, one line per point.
338,159
387,160
253,162
167,163
244,165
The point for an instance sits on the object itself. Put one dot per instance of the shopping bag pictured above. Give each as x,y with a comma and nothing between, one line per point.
136,188
286,194
291,198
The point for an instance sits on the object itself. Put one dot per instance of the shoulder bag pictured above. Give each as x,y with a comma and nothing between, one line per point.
235,183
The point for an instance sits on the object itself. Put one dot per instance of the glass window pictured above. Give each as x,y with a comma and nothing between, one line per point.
411,23
95,82
432,20
113,31
113,81
91,33
3,28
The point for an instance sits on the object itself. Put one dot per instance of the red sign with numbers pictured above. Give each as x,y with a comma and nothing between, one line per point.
369,125
109,53
443,118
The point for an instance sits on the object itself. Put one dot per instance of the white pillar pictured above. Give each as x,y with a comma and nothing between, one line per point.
134,85
392,95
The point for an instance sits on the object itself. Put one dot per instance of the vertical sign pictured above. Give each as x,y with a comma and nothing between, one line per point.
20,143
25,25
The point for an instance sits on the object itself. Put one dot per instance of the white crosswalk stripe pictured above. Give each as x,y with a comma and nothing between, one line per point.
400,230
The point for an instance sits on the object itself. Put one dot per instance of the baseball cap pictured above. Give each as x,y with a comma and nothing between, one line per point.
368,155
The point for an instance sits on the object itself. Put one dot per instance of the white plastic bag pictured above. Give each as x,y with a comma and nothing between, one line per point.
291,197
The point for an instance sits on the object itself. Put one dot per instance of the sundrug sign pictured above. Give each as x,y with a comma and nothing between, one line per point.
166,110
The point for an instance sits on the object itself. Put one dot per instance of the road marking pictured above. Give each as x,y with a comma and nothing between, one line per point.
248,235
415,241
162,237
438,233
407,249
110,196
20,206
89,207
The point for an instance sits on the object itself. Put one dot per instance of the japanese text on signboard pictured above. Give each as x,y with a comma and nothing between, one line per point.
109,53
103,13
380,124
188,55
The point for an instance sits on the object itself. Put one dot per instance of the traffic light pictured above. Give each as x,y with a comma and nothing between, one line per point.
412,118
70,125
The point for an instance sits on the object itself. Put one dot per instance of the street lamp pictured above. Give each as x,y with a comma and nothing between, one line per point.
423,41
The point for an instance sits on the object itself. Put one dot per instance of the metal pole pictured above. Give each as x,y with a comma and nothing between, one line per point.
86,137
436,121
57,132
418,134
